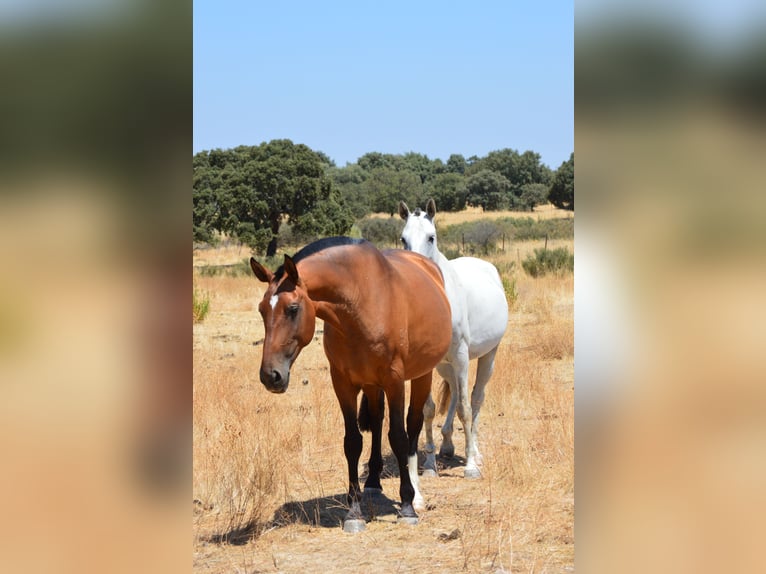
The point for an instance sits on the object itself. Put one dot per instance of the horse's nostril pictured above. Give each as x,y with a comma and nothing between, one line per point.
275,377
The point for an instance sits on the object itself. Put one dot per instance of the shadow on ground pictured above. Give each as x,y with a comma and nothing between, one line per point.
329,511
324,512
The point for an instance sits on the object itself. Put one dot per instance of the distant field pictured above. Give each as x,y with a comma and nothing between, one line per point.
275,462
546,211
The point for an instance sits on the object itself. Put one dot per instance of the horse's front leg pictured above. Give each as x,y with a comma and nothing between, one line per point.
352,447
397,436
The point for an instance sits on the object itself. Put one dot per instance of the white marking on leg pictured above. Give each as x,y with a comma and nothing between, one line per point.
412,466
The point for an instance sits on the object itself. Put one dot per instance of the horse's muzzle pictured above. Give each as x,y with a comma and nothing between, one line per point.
274,380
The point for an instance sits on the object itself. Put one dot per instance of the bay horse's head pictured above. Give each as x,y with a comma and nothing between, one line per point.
419,233
289,319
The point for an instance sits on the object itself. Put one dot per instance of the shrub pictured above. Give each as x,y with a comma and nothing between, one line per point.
549,261
382,232
509,286
200,306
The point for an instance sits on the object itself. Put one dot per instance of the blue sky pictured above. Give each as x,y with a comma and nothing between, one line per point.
347,78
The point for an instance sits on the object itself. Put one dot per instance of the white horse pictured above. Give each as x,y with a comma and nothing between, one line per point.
479,318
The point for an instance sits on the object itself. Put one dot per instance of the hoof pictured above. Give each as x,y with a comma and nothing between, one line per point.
408,520
472,473
353,525
447,452
429,472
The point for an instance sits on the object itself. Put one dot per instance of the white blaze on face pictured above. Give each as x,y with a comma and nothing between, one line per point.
273,301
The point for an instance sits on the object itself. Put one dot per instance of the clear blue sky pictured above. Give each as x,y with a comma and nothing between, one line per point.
347,78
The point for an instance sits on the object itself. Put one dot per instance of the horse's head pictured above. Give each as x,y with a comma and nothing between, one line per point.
289,318
419,233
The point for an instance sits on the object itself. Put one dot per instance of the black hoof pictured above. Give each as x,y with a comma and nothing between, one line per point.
407,515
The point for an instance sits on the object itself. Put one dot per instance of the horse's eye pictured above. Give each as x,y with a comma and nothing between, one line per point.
404,241
430,239
292,311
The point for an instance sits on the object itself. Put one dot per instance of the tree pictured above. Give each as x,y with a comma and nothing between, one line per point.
448,191
561,192
533,194
518,169
386,187
488,189
256,188
456,164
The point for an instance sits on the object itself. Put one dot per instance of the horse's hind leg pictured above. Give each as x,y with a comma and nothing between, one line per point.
447,448
485,366
352,447
429,412
375,405
420,392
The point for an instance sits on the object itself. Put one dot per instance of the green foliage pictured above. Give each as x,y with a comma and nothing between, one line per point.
448,190
200,306
533,194
481,237
240,269
549,261
509,286
488,189
249,191
383,232
518,169
386,187
562,189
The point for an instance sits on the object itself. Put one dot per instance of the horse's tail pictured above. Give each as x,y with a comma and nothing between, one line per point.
445,394
365,416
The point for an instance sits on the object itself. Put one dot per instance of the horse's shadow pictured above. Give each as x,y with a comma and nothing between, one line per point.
323,512
327,511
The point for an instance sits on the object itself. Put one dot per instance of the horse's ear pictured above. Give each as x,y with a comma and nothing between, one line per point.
404,211
431,208
260,271
291,270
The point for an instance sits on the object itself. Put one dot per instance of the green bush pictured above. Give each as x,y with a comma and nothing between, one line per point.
383,232
549,261
200,306
509,286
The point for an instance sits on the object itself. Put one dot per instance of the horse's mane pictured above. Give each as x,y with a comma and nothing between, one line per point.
317,246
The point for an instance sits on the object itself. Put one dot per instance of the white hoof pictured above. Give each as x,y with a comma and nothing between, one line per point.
353,525
418,503
472,472
429,472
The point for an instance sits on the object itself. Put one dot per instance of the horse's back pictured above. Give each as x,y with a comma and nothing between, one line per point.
487,306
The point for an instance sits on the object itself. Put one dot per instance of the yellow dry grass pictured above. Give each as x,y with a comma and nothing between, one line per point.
270,475
547,211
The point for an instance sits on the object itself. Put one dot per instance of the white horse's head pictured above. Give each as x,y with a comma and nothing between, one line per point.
419,233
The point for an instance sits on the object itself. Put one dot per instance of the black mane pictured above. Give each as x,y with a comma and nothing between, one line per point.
317,246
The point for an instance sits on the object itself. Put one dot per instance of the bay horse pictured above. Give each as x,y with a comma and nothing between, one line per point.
479,319
386,320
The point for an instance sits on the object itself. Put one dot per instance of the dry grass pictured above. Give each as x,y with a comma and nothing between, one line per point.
445,218
270,475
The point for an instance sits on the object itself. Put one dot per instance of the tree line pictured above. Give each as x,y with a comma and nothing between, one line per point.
249,192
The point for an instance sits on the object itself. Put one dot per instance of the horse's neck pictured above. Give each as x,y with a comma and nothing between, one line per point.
333,287
441,261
